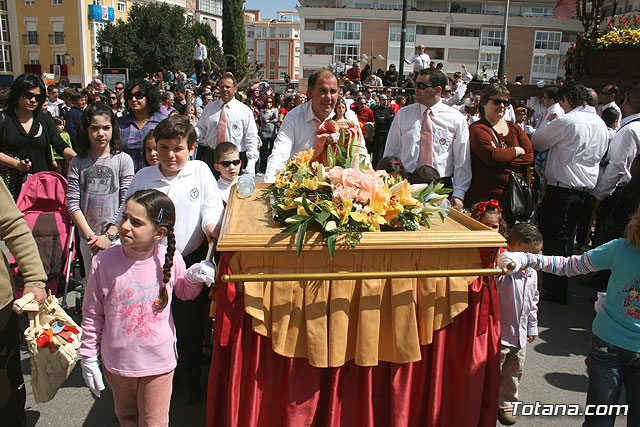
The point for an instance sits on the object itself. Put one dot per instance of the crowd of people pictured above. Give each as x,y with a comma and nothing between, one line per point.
125,150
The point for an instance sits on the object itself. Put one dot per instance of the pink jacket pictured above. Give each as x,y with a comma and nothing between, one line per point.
118,317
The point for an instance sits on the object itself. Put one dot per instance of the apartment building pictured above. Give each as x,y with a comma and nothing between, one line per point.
274,47
59,36
455,32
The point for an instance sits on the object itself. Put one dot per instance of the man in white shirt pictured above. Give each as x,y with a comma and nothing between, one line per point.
607,98
576,142
458,86
199,55
53,103
239,126
624,148
373,81
451,156
420,60
299,127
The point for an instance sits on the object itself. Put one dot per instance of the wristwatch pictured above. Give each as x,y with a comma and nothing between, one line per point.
110,236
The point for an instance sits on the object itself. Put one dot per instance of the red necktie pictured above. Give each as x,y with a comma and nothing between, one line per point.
222,125
426,140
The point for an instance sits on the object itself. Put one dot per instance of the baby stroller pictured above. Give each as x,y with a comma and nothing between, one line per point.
43,201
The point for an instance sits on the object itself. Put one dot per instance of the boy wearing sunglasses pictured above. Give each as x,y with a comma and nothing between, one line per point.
227,162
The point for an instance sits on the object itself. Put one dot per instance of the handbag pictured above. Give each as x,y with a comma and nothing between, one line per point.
53,339
518,197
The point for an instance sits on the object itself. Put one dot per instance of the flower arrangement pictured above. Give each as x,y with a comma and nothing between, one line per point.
345,198
625,32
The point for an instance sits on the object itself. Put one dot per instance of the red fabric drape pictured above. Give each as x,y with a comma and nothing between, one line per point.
455,384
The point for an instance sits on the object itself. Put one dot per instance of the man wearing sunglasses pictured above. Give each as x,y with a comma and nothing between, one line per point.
228,120
434,134
576,142
607,99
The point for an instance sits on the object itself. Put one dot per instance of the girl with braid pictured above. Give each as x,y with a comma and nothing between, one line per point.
126,315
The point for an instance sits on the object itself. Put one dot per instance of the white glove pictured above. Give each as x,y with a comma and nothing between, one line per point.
92,374
602,296
202,272
518,258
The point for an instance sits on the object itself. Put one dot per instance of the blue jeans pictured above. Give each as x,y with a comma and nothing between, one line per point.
609,368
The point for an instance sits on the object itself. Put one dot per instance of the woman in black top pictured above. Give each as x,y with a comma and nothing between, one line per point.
27,134
391,76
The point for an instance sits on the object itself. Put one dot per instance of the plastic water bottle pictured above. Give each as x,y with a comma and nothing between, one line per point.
246,185
445,207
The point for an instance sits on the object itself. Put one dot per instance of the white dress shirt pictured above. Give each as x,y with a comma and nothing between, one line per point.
420,62
194,193
576,143
451,156
54,107
624,148
613,105
553,109
241,128
297,133
224,187
200,52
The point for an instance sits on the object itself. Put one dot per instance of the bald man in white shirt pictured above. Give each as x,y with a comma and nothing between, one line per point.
576,142
450,152
299,127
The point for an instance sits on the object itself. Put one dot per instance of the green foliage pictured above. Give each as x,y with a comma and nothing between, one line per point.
155,35
234,39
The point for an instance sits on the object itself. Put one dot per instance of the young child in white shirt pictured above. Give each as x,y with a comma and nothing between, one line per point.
518,299
227,162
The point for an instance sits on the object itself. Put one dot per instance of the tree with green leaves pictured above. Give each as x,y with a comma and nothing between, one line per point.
234,41
155,35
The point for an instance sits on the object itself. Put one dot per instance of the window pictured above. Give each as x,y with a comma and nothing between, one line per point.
4,28
98,2
362,5
283,51
548,40
272,73
539,12
56,2
272,45
465,32
5,59
341,52
347,31
3,5
59,59
545,64
261,32
260,74
122,7
213,7
261,49
395,32
489,58
491,38
430,30
31,37
34,58
29,2
283,74
57,38
284,33
250,33
494,9
390,5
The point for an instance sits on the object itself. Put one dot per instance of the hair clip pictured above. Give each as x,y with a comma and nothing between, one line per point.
160,215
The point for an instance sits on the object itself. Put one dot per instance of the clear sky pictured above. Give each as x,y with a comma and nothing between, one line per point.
268,8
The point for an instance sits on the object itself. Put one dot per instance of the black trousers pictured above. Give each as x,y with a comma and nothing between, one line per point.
198,66
265,152
12,388
559,215
190,318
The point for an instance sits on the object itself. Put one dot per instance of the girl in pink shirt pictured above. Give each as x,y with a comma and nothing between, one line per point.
125,317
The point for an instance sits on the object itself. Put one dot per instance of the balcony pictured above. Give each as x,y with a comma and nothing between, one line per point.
56,38
30,38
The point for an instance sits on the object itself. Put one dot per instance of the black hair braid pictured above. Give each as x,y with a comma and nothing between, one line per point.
163,299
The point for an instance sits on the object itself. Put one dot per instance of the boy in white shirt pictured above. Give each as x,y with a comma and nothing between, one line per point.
193,190
227,162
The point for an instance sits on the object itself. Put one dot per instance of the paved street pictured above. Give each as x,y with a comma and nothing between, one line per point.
555,373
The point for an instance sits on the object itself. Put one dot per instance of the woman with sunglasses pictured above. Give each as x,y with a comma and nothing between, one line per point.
142,114
28,134
497,148
268,131
114,102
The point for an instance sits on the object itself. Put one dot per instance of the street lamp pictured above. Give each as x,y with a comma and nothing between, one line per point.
107,49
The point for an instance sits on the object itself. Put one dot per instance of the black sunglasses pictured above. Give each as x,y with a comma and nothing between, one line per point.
112,97
30,95
119,87
497,101
227,163
605,93
423,86
137,95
